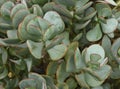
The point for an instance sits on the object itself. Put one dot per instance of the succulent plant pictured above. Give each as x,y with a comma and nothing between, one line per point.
59,44
36,81
83,67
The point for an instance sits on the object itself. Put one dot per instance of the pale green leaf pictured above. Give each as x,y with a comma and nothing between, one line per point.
54,18
92,81
29,64
103,72
94,34
57,52
19,16
61,73
71,82
39,80
110,26
95,49
62,86
52,68
17,8
35,48
12,34
69,57
81,80
79,62
4,55
27,83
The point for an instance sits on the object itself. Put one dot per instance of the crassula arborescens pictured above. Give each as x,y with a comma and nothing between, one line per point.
59,44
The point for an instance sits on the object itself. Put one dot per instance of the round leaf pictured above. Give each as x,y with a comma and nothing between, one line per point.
110,26
54,18
27,83
95,49
17,8
95,34
57,52
6,7
39,80
35,48
81,80
19,16
103,72
92,81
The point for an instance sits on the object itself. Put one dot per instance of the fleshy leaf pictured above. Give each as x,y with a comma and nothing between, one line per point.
51,6
4,73
71,82
79,62
106,44
19,16
29,64
35,48
12,34
114,48
69,57
115,74
54,18
6,7
106,69
61,73
49,82
27,83
79,10
37,10
4,55
52,68
22,32
81,80
38,79
17,8
92,81
95,34
95,49
63,86
110,26
57,52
